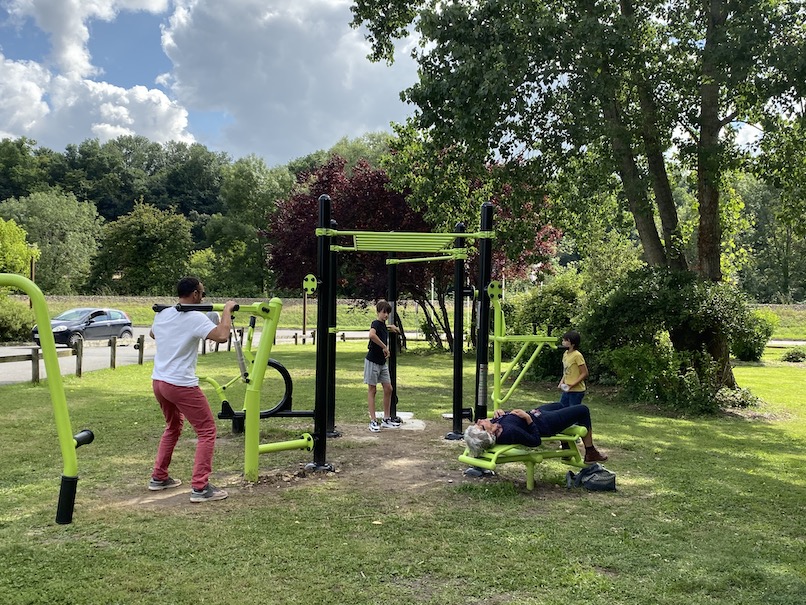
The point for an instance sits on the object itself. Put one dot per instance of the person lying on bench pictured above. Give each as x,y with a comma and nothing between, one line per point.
526,428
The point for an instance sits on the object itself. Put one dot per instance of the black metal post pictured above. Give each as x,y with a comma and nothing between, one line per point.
331,382
458,336
393,338
483,329
323,360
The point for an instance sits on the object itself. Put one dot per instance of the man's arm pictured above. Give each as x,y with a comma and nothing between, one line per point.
221,332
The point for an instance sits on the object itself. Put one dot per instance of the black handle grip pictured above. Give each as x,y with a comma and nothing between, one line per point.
184,308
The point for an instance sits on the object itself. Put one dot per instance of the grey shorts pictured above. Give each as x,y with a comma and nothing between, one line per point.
375,373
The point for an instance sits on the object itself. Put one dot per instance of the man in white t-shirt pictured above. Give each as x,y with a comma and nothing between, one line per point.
176,388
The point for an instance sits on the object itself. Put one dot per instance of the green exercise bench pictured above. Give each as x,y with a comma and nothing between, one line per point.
530,456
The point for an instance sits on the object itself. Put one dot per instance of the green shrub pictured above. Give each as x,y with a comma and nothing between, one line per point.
750,339
657,374
794,355
736,398
550,310
16,320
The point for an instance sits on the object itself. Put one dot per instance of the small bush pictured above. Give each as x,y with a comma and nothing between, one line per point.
16,320
750,339
736,398
794,355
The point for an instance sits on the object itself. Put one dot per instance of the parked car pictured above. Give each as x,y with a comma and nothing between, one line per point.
88,323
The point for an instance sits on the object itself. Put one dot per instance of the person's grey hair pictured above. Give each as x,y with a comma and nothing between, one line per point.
477,440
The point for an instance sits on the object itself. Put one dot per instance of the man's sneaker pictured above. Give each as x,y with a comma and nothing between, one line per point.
155,485
397,419
208,494
375,426
390,423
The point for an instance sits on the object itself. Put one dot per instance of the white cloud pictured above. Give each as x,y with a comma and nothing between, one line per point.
289,77
22,87
292,76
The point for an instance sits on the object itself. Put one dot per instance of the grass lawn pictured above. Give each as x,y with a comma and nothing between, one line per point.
708,510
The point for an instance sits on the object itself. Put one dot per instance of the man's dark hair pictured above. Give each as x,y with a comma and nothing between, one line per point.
383,306
573,337
186,286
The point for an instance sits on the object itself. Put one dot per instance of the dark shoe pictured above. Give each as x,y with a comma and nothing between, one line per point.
208,494
156,485
593,455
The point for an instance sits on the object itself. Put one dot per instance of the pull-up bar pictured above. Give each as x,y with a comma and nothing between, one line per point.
400,241
449,246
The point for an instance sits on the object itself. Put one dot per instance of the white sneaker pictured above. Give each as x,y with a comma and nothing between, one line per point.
390,423
375,426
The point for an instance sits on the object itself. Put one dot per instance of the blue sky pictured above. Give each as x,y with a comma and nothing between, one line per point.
275,78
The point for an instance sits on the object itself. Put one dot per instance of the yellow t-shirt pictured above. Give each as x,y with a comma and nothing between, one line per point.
571,362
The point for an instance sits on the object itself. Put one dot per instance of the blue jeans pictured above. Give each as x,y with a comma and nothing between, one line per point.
570,398
553,419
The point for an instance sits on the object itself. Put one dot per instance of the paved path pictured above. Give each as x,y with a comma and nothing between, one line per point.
97,355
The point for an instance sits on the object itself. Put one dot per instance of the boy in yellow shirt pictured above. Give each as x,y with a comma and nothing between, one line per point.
572,383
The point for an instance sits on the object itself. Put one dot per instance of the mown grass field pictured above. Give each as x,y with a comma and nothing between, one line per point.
708,511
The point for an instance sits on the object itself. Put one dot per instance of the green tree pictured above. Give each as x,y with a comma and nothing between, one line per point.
21,173
189,180
16,253
776,271
536,83
65,231
144,252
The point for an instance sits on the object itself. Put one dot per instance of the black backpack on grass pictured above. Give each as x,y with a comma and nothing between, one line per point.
594,477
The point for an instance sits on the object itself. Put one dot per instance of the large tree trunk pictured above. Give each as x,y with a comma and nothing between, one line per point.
634,188
654,149
709,242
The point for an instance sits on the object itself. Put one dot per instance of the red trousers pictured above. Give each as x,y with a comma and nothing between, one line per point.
178,403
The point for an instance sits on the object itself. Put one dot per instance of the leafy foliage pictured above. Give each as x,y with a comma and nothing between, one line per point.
144,252
749,342
65,230
16,320
794,355
15,252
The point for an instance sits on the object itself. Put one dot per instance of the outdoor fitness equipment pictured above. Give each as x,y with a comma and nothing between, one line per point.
67,441
503,454
253,365
447,246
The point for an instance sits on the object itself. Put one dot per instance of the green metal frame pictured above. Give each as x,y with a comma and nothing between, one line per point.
405,241
67,442
253,365
496,293
505,454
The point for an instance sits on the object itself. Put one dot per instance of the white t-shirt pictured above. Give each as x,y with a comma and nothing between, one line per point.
177,335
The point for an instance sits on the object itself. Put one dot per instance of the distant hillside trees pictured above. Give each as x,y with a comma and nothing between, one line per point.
64,229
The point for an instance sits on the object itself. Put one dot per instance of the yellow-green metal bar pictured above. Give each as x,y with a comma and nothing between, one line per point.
398,241
63,429
460,254
496,293
305,442
270,313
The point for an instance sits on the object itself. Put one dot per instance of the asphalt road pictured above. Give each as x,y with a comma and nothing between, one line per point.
97,355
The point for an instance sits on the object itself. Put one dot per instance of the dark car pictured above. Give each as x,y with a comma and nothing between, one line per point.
88,323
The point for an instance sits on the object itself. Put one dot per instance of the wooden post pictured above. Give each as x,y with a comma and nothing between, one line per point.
296,339
113,352
79,349
35,365
141,344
